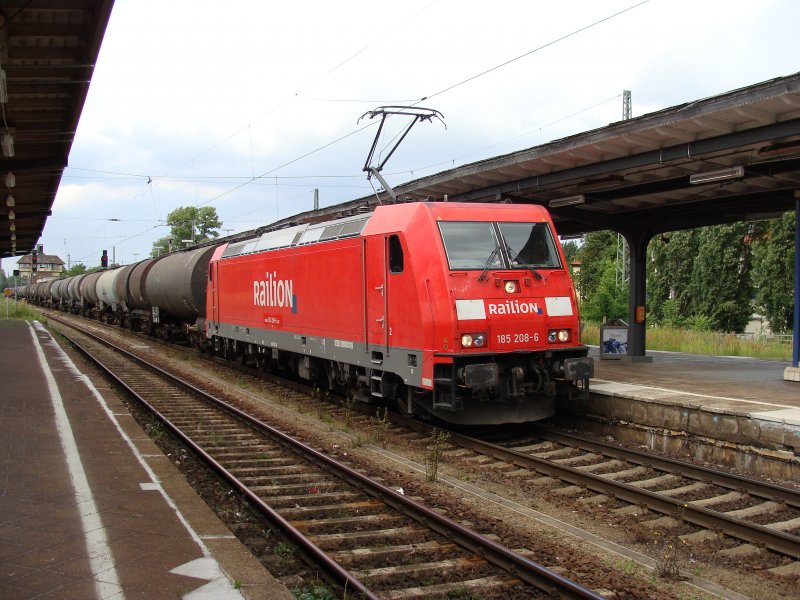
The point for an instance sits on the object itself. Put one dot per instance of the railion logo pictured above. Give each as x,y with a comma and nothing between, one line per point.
273,291
514,307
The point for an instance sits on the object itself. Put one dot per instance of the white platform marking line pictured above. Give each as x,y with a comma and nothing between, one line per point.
100,558
220,584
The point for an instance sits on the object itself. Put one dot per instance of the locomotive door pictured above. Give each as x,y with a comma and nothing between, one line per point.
212,276
375,293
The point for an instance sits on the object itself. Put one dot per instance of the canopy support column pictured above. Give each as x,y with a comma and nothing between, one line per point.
637,295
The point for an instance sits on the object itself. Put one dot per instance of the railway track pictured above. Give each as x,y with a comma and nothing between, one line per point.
751,511
363,537
693,503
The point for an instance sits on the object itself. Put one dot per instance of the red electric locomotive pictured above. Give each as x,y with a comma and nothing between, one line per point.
461,310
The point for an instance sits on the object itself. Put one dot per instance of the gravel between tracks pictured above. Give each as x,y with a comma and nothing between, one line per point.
348,438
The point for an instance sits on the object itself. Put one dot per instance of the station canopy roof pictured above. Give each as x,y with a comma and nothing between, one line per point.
48,49
728,158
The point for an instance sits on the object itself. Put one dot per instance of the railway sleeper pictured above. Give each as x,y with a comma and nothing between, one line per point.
337,509
318,499
454,569
409,534
335,525
483,586
379,555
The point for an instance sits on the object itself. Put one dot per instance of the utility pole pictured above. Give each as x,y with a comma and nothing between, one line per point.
627,110
623,263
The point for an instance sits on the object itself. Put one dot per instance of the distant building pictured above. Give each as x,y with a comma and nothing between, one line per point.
575,267
49,266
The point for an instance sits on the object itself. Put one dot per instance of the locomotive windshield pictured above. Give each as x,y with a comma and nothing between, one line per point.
484,245
530,245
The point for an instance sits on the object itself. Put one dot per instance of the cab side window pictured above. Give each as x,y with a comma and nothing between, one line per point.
395,254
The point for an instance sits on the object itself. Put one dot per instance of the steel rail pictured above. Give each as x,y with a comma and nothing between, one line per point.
775,540
754,487
508,560
313,553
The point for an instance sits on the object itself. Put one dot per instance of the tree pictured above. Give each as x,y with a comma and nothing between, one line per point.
720,285
607,301
76,269
773,272
669,271
188,223
598,249
571,250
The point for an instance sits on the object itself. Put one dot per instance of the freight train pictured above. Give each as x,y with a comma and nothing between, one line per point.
461,311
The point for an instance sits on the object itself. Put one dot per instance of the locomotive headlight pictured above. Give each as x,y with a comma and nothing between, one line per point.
476,340
558,335
511,287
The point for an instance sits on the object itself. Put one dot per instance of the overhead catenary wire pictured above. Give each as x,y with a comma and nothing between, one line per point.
271,172
528,53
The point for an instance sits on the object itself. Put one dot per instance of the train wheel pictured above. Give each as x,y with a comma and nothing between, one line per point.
406,404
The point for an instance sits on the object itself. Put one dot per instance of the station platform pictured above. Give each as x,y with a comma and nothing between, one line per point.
89,506
742,409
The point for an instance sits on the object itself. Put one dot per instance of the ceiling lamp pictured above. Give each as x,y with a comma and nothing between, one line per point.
568,201
7,143
11,180
10,203
3,87
12,227
13,237
714,176
11,215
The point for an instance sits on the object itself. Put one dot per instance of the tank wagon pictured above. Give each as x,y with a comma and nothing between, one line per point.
465,312
175,289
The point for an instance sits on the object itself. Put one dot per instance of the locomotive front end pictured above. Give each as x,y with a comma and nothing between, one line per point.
516,343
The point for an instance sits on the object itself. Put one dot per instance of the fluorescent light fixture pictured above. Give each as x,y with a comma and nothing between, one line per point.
568,201
713,176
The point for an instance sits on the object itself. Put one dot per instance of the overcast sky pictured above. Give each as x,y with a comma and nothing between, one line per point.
238,104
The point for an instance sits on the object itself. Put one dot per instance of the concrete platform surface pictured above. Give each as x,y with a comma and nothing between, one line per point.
739,383
89,506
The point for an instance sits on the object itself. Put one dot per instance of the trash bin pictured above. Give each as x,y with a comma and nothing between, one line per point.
613,339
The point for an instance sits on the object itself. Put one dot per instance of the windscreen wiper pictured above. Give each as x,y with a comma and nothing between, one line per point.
514,256
488,264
